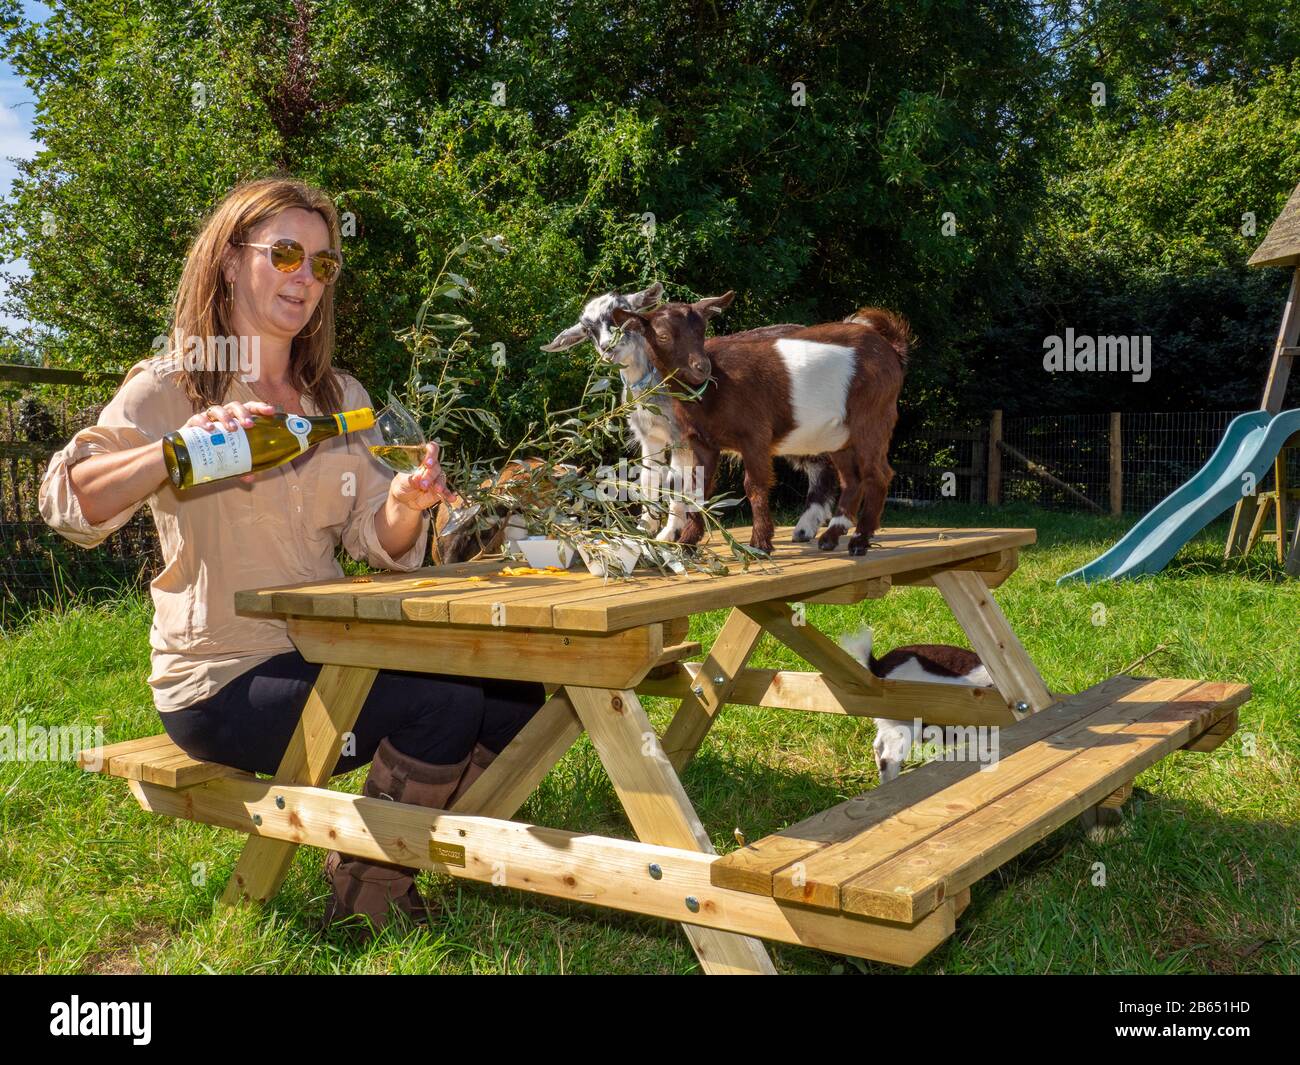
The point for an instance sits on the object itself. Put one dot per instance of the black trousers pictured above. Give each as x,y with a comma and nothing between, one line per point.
430,716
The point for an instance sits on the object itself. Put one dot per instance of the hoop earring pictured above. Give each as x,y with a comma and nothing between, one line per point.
304,336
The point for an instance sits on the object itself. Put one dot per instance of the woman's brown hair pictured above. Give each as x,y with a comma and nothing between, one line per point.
202,307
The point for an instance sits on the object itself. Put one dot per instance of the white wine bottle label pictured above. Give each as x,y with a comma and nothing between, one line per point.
301,428
216,455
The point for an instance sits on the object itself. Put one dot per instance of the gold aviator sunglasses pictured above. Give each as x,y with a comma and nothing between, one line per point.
287,255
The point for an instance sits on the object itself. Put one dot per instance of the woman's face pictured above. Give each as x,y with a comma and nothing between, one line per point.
268,301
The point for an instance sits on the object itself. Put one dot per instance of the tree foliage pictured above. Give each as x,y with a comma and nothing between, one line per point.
940,157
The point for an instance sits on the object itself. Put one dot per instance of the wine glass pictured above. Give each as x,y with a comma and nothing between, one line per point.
403,449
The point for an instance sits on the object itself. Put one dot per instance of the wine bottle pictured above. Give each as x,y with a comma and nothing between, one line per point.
195,455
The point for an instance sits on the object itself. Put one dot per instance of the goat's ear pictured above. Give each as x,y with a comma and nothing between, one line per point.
575,334
647,297
628,321
713,305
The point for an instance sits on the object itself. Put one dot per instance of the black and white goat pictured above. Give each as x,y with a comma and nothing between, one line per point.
666,458
936,663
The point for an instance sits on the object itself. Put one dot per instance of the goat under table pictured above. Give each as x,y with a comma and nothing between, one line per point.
881,876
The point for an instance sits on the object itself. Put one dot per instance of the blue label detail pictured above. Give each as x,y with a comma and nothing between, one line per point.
298,426
218,439
343,423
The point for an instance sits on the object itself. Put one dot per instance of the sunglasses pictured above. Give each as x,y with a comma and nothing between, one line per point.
287,255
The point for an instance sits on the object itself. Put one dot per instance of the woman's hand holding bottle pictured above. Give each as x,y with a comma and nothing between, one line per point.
230,417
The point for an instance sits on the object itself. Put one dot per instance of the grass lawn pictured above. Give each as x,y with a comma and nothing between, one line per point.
1204,875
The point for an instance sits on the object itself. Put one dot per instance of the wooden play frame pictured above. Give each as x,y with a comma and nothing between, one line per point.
597,647
1280,247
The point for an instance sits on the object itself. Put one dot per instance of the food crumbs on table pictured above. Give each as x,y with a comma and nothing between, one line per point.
476,578
518,571
427,584
361,580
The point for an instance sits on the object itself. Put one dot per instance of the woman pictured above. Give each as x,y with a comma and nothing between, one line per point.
231,689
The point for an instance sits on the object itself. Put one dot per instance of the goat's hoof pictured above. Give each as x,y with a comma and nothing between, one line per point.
858,544
761,545
827,542
800,537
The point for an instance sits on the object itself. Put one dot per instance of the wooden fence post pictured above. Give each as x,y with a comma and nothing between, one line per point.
1116,466
995,459
978,465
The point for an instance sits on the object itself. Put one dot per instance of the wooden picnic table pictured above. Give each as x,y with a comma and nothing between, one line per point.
597,645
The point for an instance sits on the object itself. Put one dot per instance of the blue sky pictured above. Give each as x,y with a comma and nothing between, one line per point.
16,112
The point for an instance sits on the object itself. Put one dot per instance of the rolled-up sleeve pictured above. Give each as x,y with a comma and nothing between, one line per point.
59,504
132,418
360,538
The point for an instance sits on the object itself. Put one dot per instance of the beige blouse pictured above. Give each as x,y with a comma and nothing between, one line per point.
217,538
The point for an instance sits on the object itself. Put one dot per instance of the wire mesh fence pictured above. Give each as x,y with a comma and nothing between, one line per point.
939,465
1155,453
36,562
1063,461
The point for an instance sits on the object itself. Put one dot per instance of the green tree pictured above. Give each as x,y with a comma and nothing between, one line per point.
806,157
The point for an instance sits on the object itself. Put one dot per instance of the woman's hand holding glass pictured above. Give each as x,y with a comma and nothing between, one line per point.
425,484
425,487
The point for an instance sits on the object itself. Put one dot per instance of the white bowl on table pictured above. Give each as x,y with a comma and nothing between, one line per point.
542,551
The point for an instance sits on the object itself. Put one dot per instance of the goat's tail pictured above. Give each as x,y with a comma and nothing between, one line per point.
858,644
893,327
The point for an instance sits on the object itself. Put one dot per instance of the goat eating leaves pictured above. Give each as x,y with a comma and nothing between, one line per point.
665,457
831,388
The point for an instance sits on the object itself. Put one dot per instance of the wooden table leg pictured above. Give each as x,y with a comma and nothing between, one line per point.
839,669
331,711
657,806
514,774
696,713
1013,671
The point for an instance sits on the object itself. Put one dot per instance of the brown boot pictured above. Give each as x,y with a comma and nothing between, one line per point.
374,889
479,759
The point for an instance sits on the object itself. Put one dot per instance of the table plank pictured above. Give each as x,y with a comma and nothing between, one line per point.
579,602
528,600
754,867
831,571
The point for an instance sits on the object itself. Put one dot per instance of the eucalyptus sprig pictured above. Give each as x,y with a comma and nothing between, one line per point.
437,339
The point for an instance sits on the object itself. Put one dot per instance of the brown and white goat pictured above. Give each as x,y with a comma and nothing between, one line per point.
664,458
825,388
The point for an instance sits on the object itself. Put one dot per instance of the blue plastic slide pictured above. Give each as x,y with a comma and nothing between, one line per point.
1248,447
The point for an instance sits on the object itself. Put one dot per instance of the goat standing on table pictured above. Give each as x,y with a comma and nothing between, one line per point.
831,388
664,454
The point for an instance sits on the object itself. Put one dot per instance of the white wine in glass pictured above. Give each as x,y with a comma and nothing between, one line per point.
403,451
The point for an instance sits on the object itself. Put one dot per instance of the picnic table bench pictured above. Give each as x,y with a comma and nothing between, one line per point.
881,876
